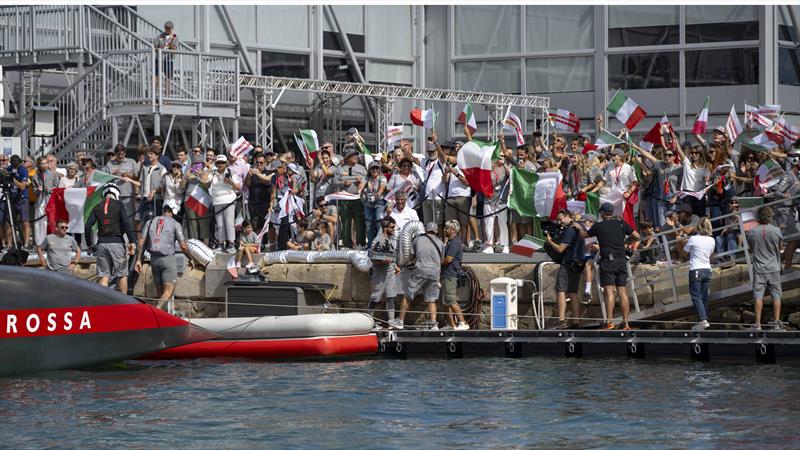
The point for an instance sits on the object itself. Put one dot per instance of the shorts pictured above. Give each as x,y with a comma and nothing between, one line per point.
164,269
450,291
429,288
458,209
567,280
767,282
614,273
382,282
432,210
401,280
167,63
112,260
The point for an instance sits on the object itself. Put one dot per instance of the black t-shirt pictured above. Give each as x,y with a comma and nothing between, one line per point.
610,236
260,192
455,249
575,245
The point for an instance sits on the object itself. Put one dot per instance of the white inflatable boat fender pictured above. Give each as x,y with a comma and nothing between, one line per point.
278,327
200,251
405,249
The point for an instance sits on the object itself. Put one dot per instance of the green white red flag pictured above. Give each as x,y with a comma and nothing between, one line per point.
527,246
769,173
761,143
606,139
467,117
536,194
199,200
72,205
701,121
653,137
626,110
423,118
475,160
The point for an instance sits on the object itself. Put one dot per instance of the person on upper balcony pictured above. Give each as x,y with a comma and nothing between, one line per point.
167,42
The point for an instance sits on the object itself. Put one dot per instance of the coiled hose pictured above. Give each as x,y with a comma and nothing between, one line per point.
405,239
358,259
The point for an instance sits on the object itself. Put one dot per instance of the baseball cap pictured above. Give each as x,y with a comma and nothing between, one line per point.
177,163
618,151
374,164
275,165
459,143
221,158
351,131
431,226
293,167
168,24
720,130
607,208
686,144
172,205
545,155
588,218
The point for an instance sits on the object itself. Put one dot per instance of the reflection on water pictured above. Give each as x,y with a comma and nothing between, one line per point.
486,403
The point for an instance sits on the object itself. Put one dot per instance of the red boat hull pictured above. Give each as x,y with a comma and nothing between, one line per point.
292,348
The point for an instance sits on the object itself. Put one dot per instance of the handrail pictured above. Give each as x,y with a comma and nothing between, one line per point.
68,90
121,27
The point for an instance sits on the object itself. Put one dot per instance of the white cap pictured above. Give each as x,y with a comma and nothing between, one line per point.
172,205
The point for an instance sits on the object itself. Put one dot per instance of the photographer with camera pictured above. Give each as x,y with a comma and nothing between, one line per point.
570,268
14,185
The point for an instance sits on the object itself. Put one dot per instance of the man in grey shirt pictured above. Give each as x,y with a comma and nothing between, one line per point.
764,241
351,177
425,275
160,235
127,170
59,248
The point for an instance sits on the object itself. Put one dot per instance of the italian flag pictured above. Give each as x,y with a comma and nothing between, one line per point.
536,194
199,200
622,207
308,144
701,122
625,110
653,137
231,266
527,246
606,139
423,118
72,205
475,160
467,117
761,143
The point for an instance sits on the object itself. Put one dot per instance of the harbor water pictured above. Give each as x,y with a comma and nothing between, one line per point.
483,403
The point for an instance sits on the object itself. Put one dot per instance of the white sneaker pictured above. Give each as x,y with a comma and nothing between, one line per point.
488,250
505,249
434,326
397,324
702,325
447,328
462,326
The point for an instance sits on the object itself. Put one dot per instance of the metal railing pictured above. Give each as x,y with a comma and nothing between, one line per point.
669,245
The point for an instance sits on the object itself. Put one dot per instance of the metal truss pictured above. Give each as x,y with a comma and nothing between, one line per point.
385,113
393,92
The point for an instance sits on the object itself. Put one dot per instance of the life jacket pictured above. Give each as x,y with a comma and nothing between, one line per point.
109,223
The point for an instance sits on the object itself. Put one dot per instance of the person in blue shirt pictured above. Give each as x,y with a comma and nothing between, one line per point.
18,197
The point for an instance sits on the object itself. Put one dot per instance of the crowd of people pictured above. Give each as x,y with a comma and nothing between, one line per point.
343,198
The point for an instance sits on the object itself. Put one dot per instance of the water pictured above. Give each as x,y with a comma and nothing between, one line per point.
485,403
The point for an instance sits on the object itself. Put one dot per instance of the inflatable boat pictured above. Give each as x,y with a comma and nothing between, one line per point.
50,320
305,336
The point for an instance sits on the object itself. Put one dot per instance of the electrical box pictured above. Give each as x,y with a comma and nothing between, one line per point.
504,292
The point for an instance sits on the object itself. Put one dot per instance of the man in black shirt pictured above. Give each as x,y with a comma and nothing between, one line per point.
113,223
568,277
611,234
259,184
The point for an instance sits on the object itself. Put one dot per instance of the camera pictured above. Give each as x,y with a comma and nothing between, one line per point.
6,179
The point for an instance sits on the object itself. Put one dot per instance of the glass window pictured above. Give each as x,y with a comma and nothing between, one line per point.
632,25
283,25
721,23
486,29
571,74
243,18
789,66
284,65
643,71
559,27
389,31
786,31
181,16
338,69
489,76
351,19
726,67
379,72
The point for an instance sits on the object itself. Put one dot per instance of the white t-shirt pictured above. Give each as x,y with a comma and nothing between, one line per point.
432,177
620,178
401,218
456,188
700,249
223,193
694,180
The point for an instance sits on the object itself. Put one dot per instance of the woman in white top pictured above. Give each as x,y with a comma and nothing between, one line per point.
72,176
172,184
696,173
224,186
699,248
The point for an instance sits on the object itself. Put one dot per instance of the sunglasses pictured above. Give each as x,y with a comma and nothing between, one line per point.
196,151
63,228
670,154
220,163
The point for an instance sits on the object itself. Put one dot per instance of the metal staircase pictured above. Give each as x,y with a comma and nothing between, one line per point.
112,52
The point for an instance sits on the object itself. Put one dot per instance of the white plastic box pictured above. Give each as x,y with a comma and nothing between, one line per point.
503,293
